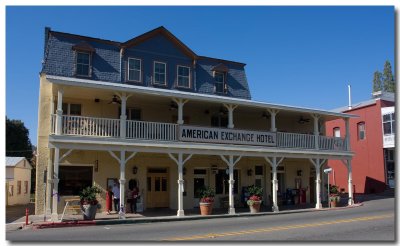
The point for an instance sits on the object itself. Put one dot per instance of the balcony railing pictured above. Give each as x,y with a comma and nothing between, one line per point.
102,127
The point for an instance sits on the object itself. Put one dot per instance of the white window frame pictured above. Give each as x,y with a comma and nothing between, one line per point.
140,69
177,77
336,130
69,109
223,82
90,64
364,130
391,121
154,73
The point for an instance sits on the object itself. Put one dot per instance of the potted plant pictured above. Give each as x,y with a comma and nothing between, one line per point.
89,202
206,200
255,198
334,197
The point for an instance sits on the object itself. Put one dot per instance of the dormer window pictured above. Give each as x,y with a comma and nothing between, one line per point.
183,77
135,70
160,73
219,82
83,59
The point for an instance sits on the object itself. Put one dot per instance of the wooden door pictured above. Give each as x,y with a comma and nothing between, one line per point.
157,190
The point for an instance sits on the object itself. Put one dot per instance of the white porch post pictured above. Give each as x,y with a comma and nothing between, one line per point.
230,108
324,196
350,180
231,163
347,123
122,121
48,187
273,113
316,130
317,164
122,186
59,112
54,214
274,164
180,102
180,162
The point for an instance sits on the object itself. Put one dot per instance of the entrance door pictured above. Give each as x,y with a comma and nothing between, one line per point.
157,188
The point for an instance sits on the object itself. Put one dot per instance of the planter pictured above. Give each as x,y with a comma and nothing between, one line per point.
255,208
333,204
206,208
89,211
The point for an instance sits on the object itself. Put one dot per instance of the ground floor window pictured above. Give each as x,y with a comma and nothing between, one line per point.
222,184
73,179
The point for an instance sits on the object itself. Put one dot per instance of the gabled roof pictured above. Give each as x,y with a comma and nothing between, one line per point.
220,68
162,31
13,161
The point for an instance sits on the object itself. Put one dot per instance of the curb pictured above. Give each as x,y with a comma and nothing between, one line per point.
170,218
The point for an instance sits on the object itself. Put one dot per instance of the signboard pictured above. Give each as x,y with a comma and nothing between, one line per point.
227,136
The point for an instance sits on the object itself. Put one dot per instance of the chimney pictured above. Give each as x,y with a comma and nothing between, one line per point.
349,87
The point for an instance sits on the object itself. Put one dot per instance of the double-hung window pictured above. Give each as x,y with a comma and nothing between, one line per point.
71,109
83,64
361,130
160,73
336,132
134,70
183,76
388,124
219,82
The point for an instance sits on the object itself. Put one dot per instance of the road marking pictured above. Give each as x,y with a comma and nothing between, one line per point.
279,228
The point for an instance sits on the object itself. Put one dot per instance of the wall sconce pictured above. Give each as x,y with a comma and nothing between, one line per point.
134,169
299,172
96,166
249,172
184,171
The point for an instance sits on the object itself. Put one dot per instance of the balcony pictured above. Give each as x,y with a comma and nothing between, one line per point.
157,131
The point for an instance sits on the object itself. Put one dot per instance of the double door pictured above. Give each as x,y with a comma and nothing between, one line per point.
157,189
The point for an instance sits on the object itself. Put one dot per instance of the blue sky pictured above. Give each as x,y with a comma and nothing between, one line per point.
300,56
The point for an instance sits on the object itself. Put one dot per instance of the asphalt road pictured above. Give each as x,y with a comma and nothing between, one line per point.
375,221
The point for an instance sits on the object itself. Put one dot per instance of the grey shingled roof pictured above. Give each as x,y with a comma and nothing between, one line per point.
13,161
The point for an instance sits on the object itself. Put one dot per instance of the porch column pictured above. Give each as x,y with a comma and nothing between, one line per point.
59,112
317,163
347,139
180,102
324,197
122,126
273,113
316,130
180,162
231,163
54,213
350,180
230,108
274,164
48,187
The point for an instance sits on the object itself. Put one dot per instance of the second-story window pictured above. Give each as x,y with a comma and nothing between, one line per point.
83,64
219,82
336,132
134,70
388,124
160,73
71,109
361,130
183,77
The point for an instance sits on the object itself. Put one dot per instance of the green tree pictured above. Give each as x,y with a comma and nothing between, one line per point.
17,139
377,82
388,79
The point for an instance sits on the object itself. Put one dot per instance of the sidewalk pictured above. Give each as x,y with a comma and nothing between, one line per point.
152,215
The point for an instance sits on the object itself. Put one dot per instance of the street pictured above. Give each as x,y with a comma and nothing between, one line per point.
374,221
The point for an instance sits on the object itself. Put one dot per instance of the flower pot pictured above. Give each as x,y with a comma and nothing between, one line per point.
89,211
206,208
333,203
255,207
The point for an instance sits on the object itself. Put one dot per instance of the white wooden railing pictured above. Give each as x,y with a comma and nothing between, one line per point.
332,143
151,130
295,140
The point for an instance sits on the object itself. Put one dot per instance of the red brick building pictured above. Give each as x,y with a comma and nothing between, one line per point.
372,141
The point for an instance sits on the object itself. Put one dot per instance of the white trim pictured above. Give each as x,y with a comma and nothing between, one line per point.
140,70
186,95
223,82
89,65
177,77
154,73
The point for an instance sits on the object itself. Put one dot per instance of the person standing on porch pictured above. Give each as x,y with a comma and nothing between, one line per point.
115,191
134,197
109,196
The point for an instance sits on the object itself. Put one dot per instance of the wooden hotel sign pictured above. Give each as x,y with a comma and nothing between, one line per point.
224,135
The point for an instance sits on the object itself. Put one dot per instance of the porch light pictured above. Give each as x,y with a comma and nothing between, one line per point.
96,166
134,169
249,172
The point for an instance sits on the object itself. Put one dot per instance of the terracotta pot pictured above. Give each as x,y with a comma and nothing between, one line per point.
206,208
333,204
255,208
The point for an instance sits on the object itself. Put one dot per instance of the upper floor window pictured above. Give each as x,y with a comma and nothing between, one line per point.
183,76
83,64
388,121
219,82
134,69
361,130
71,109
160,73
26,187
219,120
336,132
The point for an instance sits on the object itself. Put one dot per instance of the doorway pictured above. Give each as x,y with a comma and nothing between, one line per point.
157,188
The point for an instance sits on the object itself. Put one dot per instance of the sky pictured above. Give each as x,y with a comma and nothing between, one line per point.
300,56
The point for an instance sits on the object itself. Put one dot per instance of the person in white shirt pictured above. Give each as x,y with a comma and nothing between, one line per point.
116,196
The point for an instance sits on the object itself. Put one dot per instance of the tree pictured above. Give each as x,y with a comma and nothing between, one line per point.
377,82
17,139
388,79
